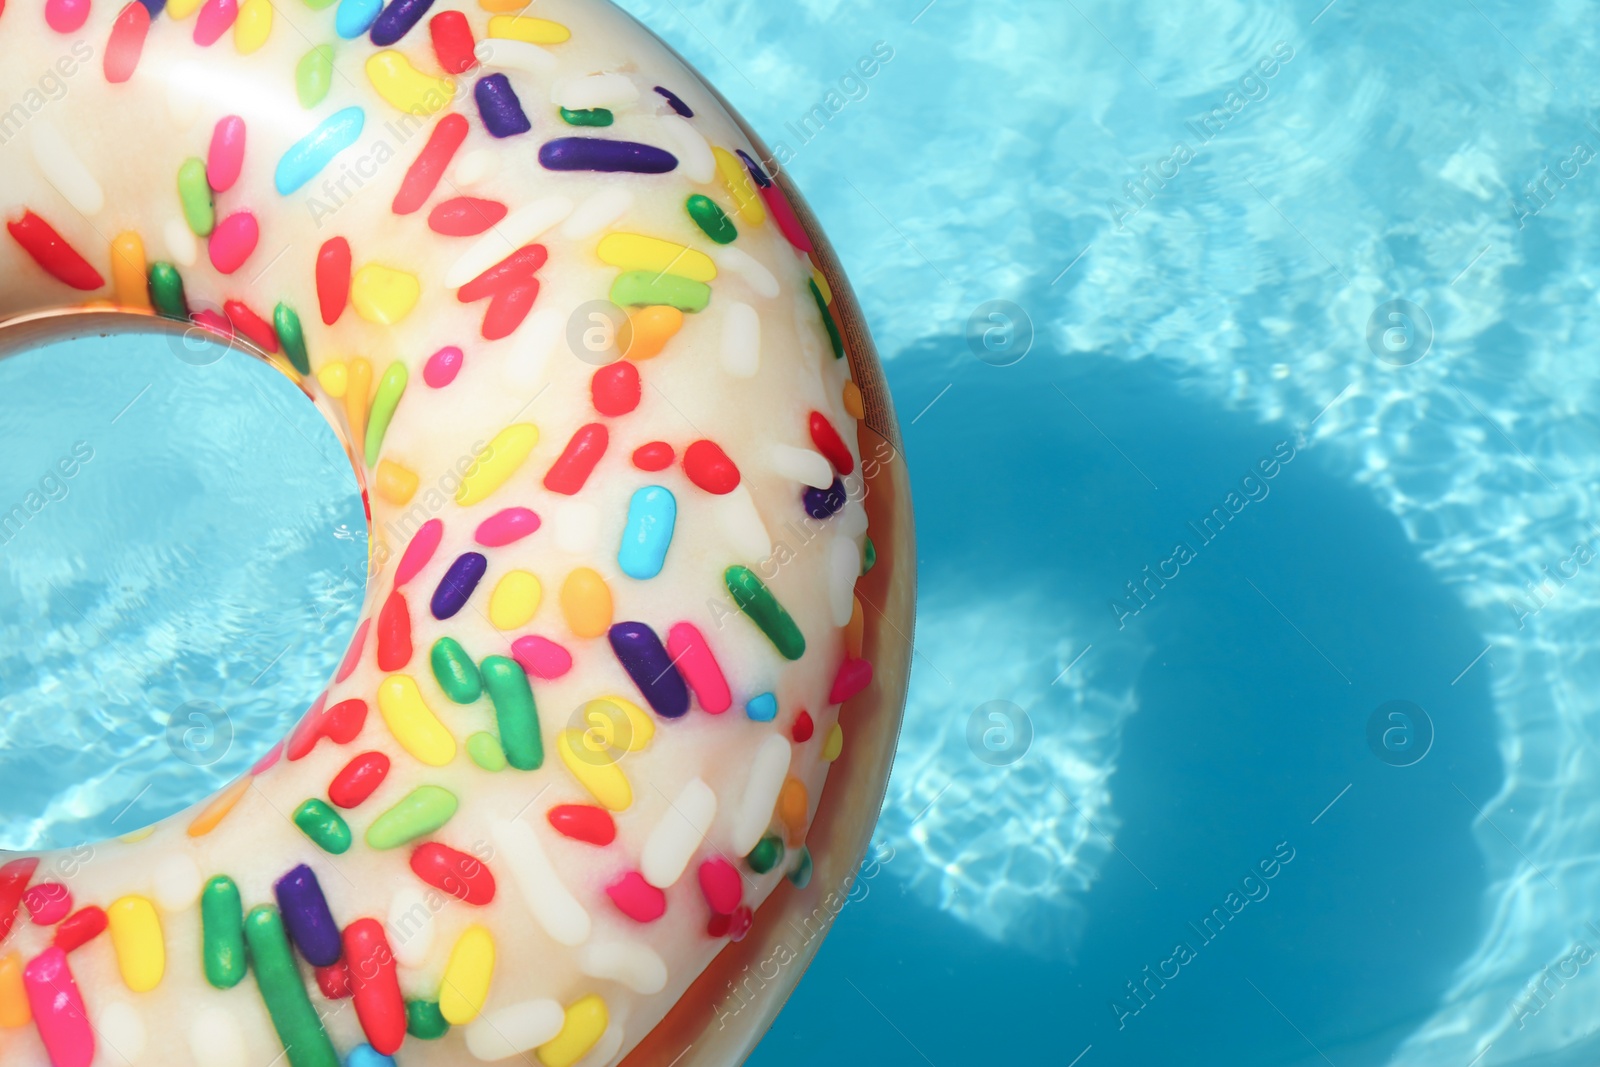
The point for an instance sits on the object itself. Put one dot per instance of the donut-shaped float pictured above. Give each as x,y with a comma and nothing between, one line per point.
621,437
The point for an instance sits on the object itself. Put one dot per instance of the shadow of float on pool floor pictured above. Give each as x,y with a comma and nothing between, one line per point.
1266,656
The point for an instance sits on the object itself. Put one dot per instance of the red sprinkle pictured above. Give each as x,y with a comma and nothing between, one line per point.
513,286
394,633
465,216
127,42
81,927
733,926
214,321
453,45
655,456
854,676
462,876
340,724
577,461
709,467
14,878
352,786
253,326
334,980
637,898
720,883
50,250
830,444
375,985
584,822
47,902
352,655
225,160
615,388
803,727
424,174
333,278
783,214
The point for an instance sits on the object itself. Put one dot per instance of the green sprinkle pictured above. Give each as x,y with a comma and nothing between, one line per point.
324,826
642,288
869,557
711,219
757,601
305,1042
485,750
801,875
767,854
194,194
313,75
594,116
515,712
222,933
293,338
390,389
166,291
419,812
425,1021
827,320
455,672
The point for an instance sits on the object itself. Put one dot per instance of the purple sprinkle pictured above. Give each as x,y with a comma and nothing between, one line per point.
757,175
593,153
498,104
397,20
824,503
458,583
154,6
677,104
639,651
307,918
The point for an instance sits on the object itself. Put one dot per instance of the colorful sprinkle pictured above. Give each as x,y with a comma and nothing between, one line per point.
57,1005
763,609
637,898
458,584
384,296
593,153
455,672
14,1009
591,116
233,241
721,884
222,933
507,452
515,600
767,854
126,44
138,942
421,812
297,1023
583,822
577,461
47,903
506,527
652,516
394,633
325,827
499,107
467,976
424,543
355,17
394,23
313,76
692,653
483,748
465,216
763,707
528,30
711,219
615,389
333,278
680,832
641,654
768,769
424,1021
413,723
51,251
636,252
374,986
216,17
675,102
834,745
442,367
306,916
541,657
595,770
854,676
654,456
307,157
358,779
453,45
406,88
582,1026
515,713
642,288
287,326
461,876
424,174
709,468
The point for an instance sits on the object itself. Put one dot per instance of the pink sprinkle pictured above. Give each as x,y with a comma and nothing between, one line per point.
442,367
424,543
126,43
215,18
505,527
637,898
226,158
58,1009
265,762
783,215
734,926
720,883
353,656
214,321
688,648
48,902
233,241
541,657
854,676
66,16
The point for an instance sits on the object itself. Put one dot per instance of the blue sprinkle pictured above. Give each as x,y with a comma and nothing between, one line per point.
593,153
397,20
498,105
763,707
367,1056
155,7
355,17
639,651
306,157
677,104
458,583
307,918
652,513
757,175
824,503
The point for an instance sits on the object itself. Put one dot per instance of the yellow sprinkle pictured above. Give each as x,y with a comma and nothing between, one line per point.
406,87
135,836
852,400
182,9
586,603
534,31
413,723
356,396
605,730
650,328
834,744
515,599
14,1010
635,251
335,378
586,1020
396,484
383,295
855,631
508,451
136,936
747,202
252,26
128,277
595,769
822,285
218,807
466,976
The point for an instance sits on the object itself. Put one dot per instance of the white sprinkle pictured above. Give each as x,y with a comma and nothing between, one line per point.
628,962
844,567
741,524
180,242
852,521
575,526
510,234
682,828
767,772
694,154
177,882
607,1047
516,1028
503,54
741,340
410,926
595,90
525,361
476,166
801,465
738,262
597,212
215,1039
552,904
63,168
122,1028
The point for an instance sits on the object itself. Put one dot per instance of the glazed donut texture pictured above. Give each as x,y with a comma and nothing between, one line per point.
584,724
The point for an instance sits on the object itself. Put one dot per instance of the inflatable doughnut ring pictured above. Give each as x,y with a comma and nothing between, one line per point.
622,439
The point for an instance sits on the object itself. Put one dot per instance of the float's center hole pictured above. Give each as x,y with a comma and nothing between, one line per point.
182,560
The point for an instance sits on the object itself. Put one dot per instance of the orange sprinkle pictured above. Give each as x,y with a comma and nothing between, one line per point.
212,814
652,327
852,400
356,394
793,804
14,1010
128,278
586,603
855,630
396,484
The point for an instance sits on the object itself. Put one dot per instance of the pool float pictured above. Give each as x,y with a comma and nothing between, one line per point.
622,438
